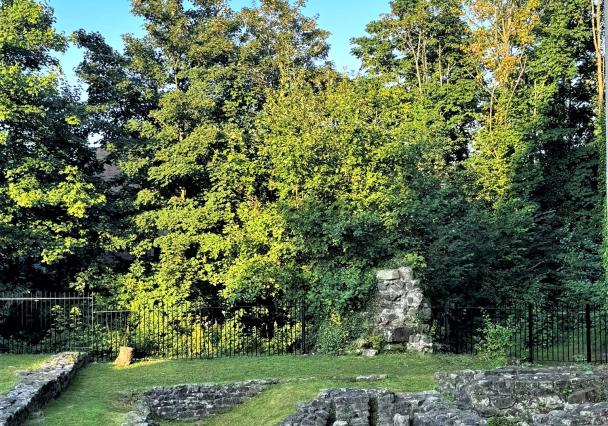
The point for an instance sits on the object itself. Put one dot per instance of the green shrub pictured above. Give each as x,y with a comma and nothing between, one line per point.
376,341
413,260
350,333
332,337
69,329
495,342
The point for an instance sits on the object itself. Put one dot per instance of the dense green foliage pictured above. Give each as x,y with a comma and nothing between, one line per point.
495,342
251,170
48,191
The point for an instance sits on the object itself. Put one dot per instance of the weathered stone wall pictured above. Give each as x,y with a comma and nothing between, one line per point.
523,392
404,314
364,407
38,387
192,402
575,415
522,396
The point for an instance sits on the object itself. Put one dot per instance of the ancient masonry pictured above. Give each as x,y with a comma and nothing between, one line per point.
517,396
555,396
191,402
403,313
38,387
364,407
566,396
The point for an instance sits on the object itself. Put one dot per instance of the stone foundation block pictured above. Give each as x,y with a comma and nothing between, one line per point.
523,392
192,402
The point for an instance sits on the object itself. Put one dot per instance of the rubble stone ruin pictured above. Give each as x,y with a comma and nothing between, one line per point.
509,396
403,312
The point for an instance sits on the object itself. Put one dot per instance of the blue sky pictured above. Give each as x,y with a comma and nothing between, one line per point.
343,18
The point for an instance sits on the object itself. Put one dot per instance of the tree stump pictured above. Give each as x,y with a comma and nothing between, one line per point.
125,356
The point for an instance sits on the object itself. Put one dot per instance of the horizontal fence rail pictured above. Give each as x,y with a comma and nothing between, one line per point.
45,323
538,333
50,323
53,322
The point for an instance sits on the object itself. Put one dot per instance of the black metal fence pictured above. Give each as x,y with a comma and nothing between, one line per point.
538,333
50,323
53,322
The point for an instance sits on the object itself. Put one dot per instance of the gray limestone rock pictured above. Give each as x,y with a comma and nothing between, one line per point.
192,402
523,392
523,396
364,407
401,420
388,274
575,415
402,310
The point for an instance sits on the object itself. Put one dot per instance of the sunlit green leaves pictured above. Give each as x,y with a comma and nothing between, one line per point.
47,184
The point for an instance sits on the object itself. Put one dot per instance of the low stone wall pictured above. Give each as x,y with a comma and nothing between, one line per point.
522,396
575,415
192,402
38,387
439,411
523,392
364,407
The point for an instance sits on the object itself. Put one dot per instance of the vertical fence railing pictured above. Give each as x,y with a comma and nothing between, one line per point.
207,332
539,333
52,322
530,333
49,323
45,322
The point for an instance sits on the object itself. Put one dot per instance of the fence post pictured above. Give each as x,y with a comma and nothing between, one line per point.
303,313
531,333
588,330
446,325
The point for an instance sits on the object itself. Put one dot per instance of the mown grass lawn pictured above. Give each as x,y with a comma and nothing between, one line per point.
10,364
96,397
